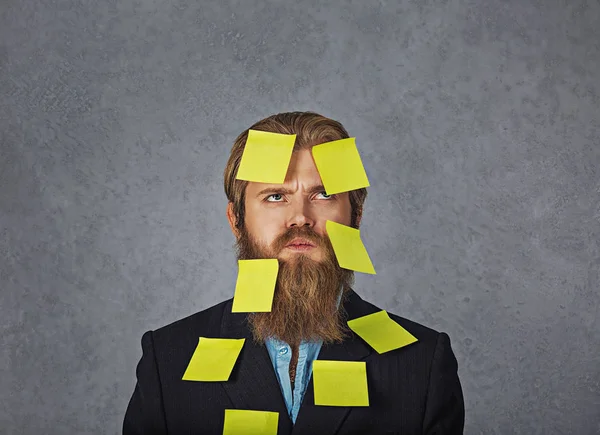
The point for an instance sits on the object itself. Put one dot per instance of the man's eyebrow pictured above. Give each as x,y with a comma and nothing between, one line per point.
286,191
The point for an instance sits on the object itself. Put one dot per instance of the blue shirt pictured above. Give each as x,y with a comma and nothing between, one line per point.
281,356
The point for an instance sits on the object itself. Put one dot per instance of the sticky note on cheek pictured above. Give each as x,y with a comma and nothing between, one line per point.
240,422
340,383
255,285
213,359
380,332
340,166
348,247
266,157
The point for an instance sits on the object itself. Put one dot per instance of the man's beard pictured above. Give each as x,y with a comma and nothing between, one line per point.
305,303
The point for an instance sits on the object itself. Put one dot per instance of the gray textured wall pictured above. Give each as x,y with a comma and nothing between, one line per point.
479,127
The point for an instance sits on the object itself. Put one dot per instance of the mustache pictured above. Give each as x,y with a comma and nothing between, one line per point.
303,232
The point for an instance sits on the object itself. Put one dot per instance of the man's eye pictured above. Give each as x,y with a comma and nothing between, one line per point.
273,194
280,196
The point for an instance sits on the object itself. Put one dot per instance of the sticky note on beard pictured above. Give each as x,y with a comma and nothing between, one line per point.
380,332
255,285
340,166
214,359
348,247
266,157
340,383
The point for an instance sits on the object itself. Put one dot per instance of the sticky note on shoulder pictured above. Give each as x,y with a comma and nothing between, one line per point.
266,157
242,422
340,166
340,383
213,359
380,332
348,247
255,285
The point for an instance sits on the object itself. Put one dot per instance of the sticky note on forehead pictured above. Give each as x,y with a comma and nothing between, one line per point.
348,247
241,421
266,157
340,166
340,383
381,332
255,285
213,359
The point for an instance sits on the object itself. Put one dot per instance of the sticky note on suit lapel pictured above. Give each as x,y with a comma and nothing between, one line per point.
340,166
340,383
348,247
242,422
266,157
380,332
255,285
213,359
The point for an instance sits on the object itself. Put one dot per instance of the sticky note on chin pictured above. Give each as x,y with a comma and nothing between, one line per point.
255,285
340,166
242,422
340,383
266,157
213,359
380,332
348,247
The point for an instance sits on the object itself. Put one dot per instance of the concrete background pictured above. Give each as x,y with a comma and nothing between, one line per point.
479,127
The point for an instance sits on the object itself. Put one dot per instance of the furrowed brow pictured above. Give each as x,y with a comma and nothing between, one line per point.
285,191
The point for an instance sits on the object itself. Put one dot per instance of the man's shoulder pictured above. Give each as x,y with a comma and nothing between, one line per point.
421,332
422,352
203,323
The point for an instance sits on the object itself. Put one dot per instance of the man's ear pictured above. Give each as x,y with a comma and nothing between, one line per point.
232,220
358,217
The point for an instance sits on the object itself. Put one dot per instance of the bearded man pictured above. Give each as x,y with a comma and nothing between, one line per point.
412,390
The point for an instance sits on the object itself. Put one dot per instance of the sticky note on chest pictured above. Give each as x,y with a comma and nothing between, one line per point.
266,157
243,422
380,332
213,359
340,166
340,383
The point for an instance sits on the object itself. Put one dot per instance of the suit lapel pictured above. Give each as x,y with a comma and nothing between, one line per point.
328,419
253,384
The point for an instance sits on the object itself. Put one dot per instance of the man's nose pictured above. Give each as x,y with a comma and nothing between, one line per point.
300,217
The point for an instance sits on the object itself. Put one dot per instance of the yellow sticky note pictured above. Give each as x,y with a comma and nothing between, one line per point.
381,332
255,285
242,422
340,166
340,383
213,359
266,157
348,247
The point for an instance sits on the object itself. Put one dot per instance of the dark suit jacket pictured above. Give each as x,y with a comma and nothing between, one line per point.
412,390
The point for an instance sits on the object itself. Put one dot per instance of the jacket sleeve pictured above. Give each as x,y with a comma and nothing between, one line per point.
445,408
145,413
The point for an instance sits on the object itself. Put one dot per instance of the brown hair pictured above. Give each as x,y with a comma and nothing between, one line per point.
310,129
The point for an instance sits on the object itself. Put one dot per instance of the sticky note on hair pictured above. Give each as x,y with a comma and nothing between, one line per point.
340,166
380,332
255,285
241,421
340,383
213,359
266,157
348,247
